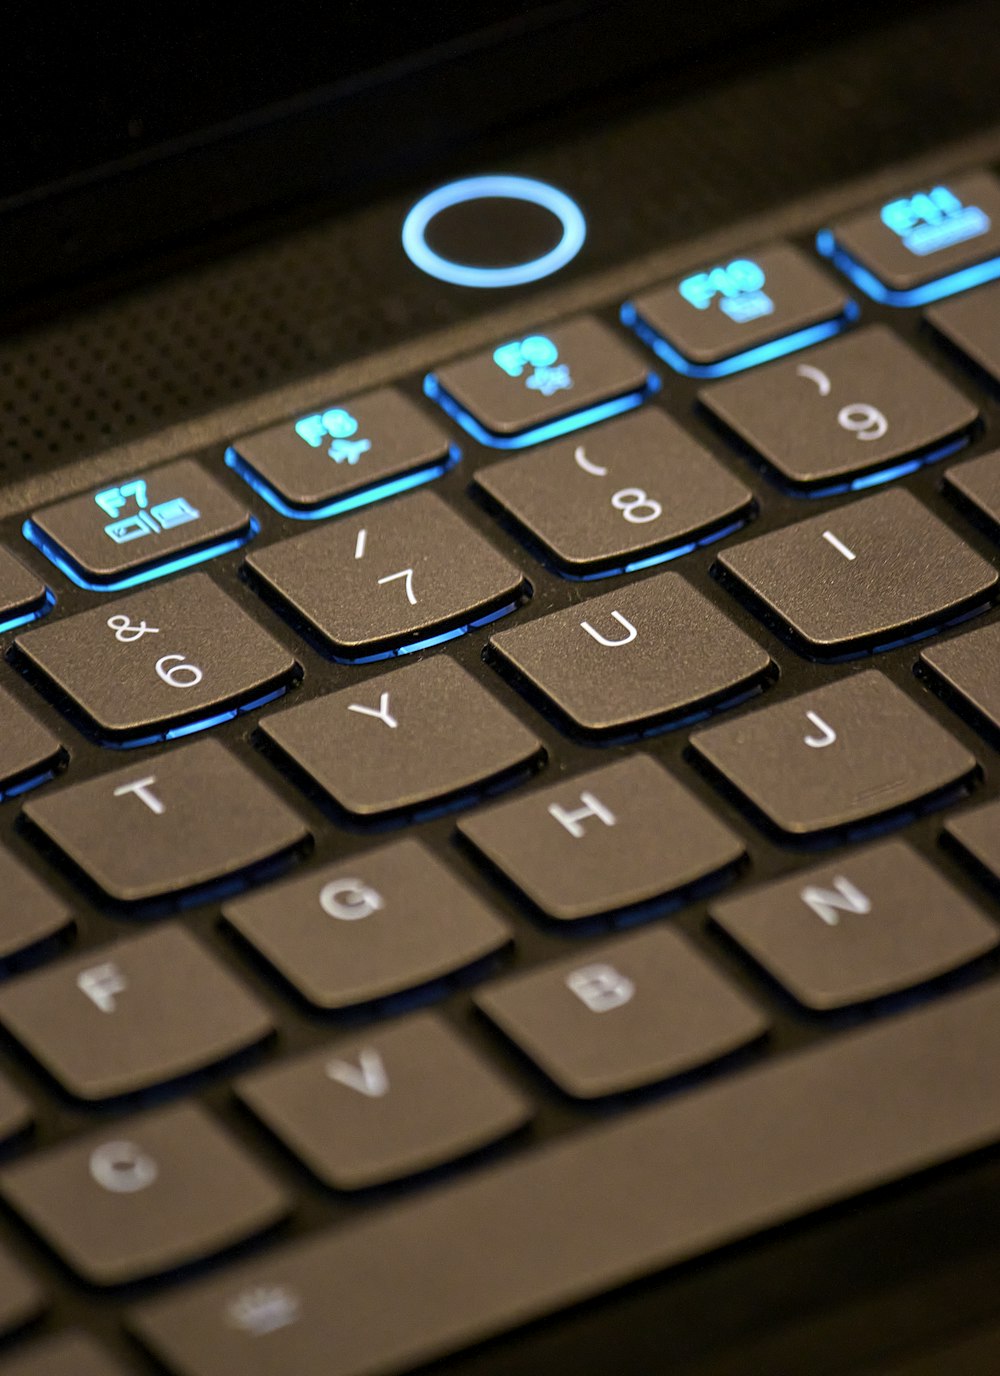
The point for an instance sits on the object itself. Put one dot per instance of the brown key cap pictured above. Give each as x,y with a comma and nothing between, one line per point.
29,912
835,756
661,1186
966,671
648,651
144,1195
66,1354
23,595
874,922
137,1013
390,1103
28,750
390,919
179,820
15,1113
861,575
623,1015
977,832
387,743
613,838
21,1297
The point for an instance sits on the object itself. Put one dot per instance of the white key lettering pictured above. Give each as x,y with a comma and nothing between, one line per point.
179,675
382,714
122,1167
601,987
839,545
406,574
349,900
359,544
264,1309
142,789
844,896
820,378
126,632
627,638
592,807
368,1077
635,506
102,984
865,422
826,736
588,467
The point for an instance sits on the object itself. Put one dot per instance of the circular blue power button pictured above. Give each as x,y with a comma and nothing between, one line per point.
568,213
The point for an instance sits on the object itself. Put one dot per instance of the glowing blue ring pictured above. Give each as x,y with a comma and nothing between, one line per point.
566,211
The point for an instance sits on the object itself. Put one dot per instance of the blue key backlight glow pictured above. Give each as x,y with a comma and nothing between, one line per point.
493,187
538,354
737,289
177,511
929,221
949,285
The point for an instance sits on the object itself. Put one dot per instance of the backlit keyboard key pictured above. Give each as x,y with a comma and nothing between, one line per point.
520,391
624,1014
977,832
389,578
616,837
898,251
648,651
715,318
393,742
843,410
860,575
23,595
168,824
167,657
391,919
975,487
145,525
391,1102
343,455
836,756
966,671
869,924
137,1013
144,1195
629,490
28,750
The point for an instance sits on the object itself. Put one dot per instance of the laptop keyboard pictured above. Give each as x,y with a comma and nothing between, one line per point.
377,969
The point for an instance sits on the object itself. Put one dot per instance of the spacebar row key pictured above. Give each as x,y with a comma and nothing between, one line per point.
668,1183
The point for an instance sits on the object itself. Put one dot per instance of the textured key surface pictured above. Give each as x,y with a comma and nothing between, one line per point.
141,521
29,912
395,1101
648,650
835,756
137,1013
721,309
66,1354
390,575
27,748
21,1296
731,1173
167,655
972,323
626,489
624,1014
923,235
967,670
391,919
861,575
975,485
841,409
344,448
400,739
21,591
535,378
871,923
191,815
144,1195
615,837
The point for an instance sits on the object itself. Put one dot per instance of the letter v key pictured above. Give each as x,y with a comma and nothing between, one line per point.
368,1077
